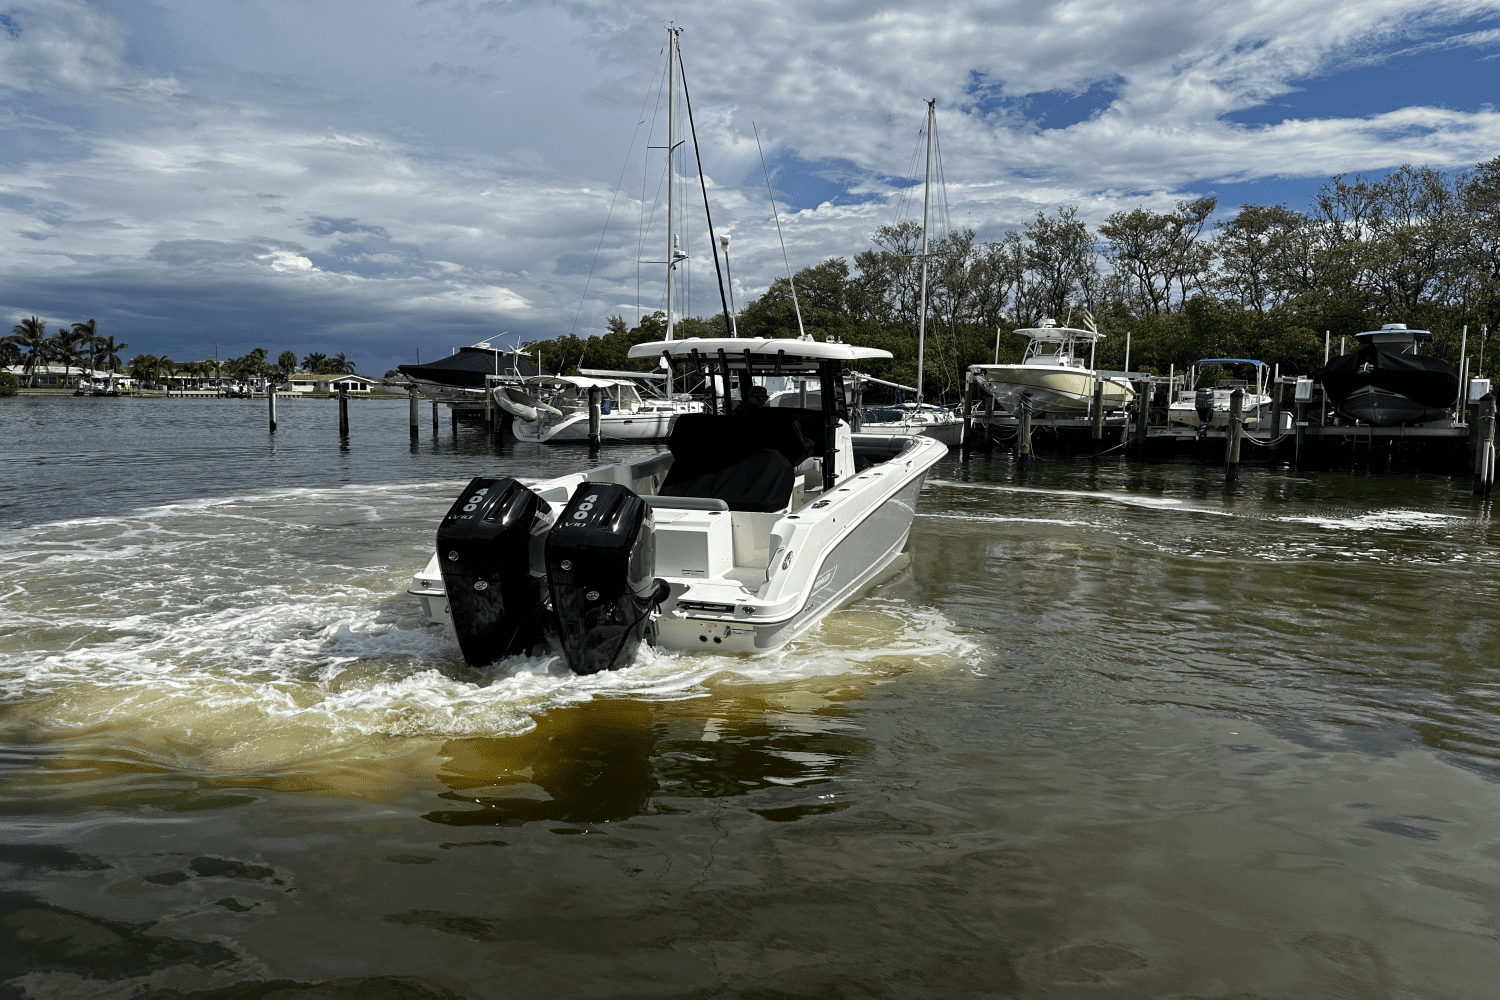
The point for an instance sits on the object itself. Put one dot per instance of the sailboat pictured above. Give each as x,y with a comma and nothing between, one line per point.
917,417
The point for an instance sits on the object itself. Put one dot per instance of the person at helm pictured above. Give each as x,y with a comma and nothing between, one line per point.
754,400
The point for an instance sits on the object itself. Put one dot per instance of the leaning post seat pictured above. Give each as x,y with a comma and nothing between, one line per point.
749,461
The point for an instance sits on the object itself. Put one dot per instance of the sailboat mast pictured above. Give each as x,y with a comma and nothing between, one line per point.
671,169
926,203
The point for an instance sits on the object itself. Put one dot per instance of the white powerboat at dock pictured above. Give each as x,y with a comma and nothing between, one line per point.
1053,375
750,528
555,408
1208,406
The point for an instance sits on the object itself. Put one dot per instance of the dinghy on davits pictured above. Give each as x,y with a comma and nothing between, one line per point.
753,526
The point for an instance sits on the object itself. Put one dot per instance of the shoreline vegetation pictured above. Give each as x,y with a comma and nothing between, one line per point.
81,347
1418,246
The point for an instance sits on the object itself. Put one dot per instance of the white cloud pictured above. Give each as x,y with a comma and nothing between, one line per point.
458,159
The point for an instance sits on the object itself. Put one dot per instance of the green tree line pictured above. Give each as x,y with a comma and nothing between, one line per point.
1418,246
81,346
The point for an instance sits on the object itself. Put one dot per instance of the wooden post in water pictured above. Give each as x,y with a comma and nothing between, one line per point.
1484,452
964,442
594,393
989,422
414,417
1143,389
489,409
1098,429
434,420
344,409
1023,435
1232,438
271,400
1275,431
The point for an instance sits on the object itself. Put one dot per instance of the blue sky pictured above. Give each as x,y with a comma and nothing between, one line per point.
378,177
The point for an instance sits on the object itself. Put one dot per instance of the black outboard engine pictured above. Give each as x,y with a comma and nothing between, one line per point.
1203,402
601,555
484,549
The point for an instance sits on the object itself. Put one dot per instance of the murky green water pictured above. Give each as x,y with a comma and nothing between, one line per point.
1110,731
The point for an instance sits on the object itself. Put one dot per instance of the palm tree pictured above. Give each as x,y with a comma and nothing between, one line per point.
65,349
287,362
109,351
340,364
88,333
143,367
313,363
30,335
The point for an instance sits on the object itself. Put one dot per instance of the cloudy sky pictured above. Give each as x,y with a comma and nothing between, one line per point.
380,177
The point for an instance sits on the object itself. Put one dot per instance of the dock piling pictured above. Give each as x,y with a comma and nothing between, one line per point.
594,402
344,410
1143,389
965,444
1484,452
1098,414
1023,435
434,420
271,401
989,424
1232,437
414,415
1275,431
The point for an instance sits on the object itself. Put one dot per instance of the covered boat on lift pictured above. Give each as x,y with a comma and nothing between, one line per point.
461,376
1387,382
751,527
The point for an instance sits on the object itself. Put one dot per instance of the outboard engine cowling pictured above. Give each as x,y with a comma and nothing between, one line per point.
1203,402
485,552
601,555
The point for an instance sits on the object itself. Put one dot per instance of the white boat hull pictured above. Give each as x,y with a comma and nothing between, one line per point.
748,582
1253,409
1050,389
612,427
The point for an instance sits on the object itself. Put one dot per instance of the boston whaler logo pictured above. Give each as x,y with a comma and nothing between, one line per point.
1367,368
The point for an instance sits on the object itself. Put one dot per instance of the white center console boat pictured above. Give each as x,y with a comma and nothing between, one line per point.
748,530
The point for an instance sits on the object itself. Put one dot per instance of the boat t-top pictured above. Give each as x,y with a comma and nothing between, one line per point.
1055,375
754,523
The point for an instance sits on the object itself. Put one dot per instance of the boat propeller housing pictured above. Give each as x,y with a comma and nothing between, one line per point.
485,555
601,555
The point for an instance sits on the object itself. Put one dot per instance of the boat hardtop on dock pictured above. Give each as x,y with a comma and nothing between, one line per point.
1053,375
754,524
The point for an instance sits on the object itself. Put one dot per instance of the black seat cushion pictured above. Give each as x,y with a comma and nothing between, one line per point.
761,481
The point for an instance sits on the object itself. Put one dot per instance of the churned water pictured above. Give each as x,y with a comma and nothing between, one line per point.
1109,730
